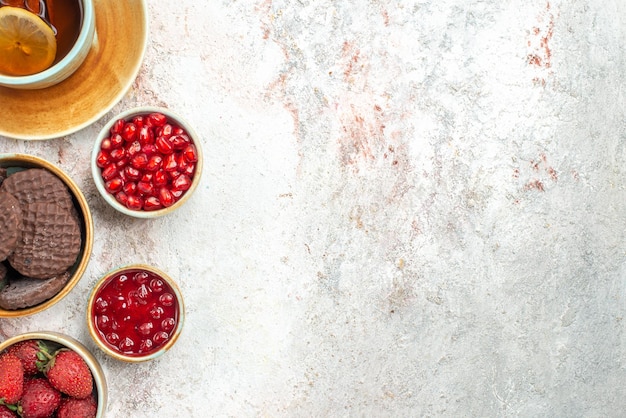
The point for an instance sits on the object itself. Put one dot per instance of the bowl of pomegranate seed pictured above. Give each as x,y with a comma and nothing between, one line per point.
47,374
135,313
147,162
47,234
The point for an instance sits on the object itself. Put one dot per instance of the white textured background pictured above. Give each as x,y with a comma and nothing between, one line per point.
410,208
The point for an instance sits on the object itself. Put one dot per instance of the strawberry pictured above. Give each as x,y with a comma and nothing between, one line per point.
39,400
11,378
68,373
5,412
29,353
77,408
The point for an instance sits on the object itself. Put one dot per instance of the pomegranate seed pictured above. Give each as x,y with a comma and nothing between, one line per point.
138,121
117,154
160,337
109,172
179,142
163,145
116,141
166,197
154,163
157,119
103,159
117,127
165,130
139,161
169,164
129,133
146,135
190,169
190,153
114,185
134,202
133,149
147,177
160,178
130,188
122,163
145,188
132,173
149,149
181,161
174,174
178,130
122,198
177,193
182,182
168,324
105,145
152,203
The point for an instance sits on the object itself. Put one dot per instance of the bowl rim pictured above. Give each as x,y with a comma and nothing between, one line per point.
85,35
116,354
32,161
105,131
75,345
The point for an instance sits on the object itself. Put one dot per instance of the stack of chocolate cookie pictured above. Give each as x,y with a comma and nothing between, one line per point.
41,237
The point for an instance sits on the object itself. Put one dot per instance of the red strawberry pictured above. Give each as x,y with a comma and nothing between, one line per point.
5,412
28,352
11,378
39,400
68,372
77,408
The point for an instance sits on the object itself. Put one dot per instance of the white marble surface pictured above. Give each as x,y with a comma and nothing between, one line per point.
411,208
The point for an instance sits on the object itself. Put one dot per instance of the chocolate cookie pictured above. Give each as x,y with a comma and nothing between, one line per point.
24,292
50,241
37,185
10,224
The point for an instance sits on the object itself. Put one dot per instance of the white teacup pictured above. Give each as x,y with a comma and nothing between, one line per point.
68,64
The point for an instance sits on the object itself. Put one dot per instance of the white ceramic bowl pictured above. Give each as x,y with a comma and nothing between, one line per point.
74,345
105,134
103,311
68,64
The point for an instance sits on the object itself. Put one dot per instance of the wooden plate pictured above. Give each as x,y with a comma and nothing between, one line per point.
99,84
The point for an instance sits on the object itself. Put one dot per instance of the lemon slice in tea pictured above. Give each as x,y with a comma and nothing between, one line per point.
27,43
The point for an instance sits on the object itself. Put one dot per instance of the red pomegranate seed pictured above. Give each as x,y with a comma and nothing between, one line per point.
123,162
133,149
134,202
121,197
114,185
190,153
154,163
139,161
130,188
166,197
129,133
179,142
149,149
160,337
163,145
178,130
147,177
117,154
145,189
152,203
174,174
160,178
138,121
109,172
157,119
182,182
105,145
132,173
146,135
117,126
116,141
177,193
169,163
103,159
165,130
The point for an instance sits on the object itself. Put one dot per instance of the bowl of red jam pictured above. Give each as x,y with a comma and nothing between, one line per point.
147,162
135,313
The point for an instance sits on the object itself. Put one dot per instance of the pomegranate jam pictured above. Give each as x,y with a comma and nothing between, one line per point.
135,312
